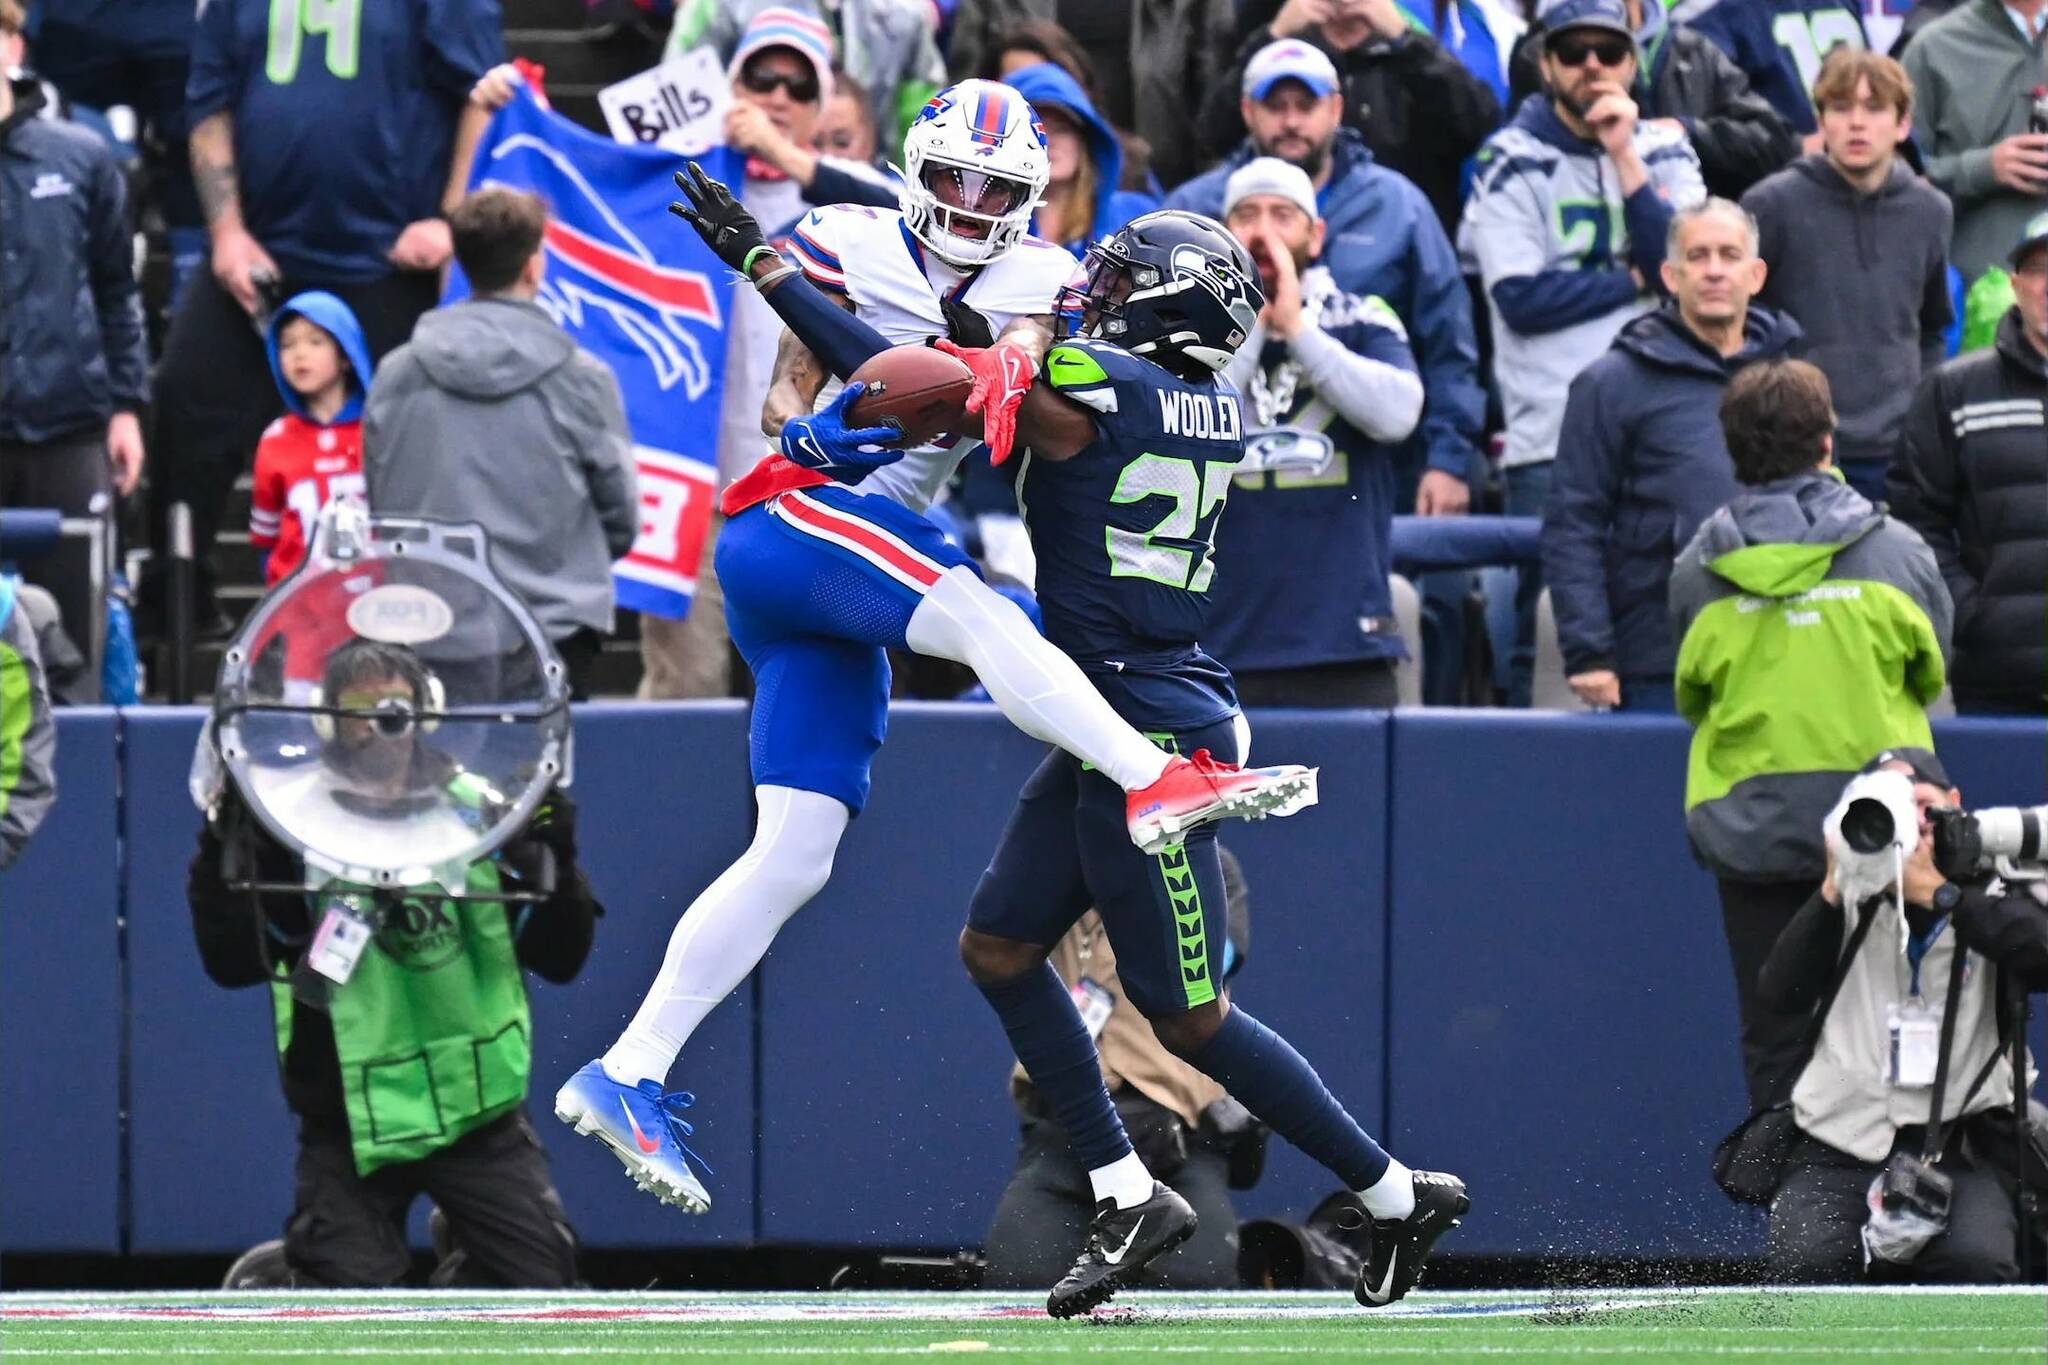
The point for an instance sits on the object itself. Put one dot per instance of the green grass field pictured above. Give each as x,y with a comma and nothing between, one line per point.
1637,1325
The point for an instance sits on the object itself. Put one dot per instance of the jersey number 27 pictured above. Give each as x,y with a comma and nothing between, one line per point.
1178,551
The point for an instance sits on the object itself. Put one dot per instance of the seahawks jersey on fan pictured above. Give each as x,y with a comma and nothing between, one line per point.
1779,44
1124,532
870,256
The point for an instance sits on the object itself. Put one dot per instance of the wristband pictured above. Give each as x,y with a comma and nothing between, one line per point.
774,277
747,262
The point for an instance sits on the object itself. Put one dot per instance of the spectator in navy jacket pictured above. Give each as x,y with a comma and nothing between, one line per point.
1329,391
1641,462
325,155
72,370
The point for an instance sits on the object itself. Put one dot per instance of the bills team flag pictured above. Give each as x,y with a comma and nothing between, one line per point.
637,290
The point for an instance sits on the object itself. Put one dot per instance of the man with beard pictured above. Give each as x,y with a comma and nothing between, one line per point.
1566,230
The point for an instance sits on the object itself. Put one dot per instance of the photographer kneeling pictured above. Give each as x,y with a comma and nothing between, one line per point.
1912,972
402,1018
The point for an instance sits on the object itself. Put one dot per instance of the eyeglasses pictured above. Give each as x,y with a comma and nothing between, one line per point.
763,80
1572,50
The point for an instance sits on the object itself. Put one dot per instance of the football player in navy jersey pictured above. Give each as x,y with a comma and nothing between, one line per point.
1130,440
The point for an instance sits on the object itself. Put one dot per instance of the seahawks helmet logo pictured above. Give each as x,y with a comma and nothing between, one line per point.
1221,278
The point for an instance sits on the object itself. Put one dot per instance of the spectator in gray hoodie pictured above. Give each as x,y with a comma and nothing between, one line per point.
492,414
1857,247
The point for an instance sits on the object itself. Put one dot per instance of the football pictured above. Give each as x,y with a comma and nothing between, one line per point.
918,390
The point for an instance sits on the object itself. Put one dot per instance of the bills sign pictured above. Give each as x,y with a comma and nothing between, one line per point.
637,290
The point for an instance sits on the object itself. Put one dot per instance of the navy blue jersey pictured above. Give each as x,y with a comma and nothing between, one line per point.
1124,532
344,114
1779,44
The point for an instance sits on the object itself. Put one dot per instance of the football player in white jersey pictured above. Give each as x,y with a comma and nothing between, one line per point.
822,580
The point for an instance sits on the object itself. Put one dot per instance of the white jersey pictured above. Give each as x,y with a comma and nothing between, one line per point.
870,256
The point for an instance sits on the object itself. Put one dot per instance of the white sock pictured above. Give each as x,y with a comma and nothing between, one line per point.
727,929
1041,690
1124,1181
1393,1194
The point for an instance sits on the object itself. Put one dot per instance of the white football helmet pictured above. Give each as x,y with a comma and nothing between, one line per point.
974,167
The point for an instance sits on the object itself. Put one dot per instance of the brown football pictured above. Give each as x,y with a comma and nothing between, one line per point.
920,391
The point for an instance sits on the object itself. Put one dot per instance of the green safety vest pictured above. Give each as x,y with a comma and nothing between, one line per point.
432,1028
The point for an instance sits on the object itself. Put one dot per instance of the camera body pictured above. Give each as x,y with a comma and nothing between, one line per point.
1909,1204
2007,840
1910,1185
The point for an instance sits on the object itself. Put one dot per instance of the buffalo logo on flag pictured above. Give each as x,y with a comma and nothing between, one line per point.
647,299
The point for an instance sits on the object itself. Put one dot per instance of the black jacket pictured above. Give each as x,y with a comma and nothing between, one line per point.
1640,466
71,341
1739,137
1971,476
1417,107
241,934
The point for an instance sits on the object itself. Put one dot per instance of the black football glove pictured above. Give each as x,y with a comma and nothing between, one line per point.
721,220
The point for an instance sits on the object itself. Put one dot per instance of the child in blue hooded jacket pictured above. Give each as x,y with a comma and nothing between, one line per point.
1082,202
315,451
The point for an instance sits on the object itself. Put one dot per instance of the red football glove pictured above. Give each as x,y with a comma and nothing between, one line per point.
1003,374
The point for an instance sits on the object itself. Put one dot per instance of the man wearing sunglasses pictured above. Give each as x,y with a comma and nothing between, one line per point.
1684,78
1565,229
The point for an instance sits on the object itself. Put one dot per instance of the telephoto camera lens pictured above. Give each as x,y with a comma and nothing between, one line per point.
2012,831
1867,825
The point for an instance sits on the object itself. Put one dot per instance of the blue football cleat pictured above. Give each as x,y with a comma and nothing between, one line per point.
643,1126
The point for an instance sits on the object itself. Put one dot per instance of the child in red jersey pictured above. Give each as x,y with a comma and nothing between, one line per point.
311,454
315,451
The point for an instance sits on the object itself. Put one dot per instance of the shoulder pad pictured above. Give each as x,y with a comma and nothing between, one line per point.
1086,372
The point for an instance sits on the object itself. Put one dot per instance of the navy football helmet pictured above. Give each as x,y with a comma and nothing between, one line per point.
1171,286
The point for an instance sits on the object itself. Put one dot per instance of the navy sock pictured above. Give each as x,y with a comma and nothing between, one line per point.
1267,1076
1052,1042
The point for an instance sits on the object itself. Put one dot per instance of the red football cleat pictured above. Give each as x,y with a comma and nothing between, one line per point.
1194,791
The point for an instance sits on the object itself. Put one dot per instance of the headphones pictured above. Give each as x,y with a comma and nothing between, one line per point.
391,716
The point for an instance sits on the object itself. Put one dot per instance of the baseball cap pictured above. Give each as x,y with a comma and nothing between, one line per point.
1926,767
1607,14
804,34
1270,175
1290,59
2031,236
